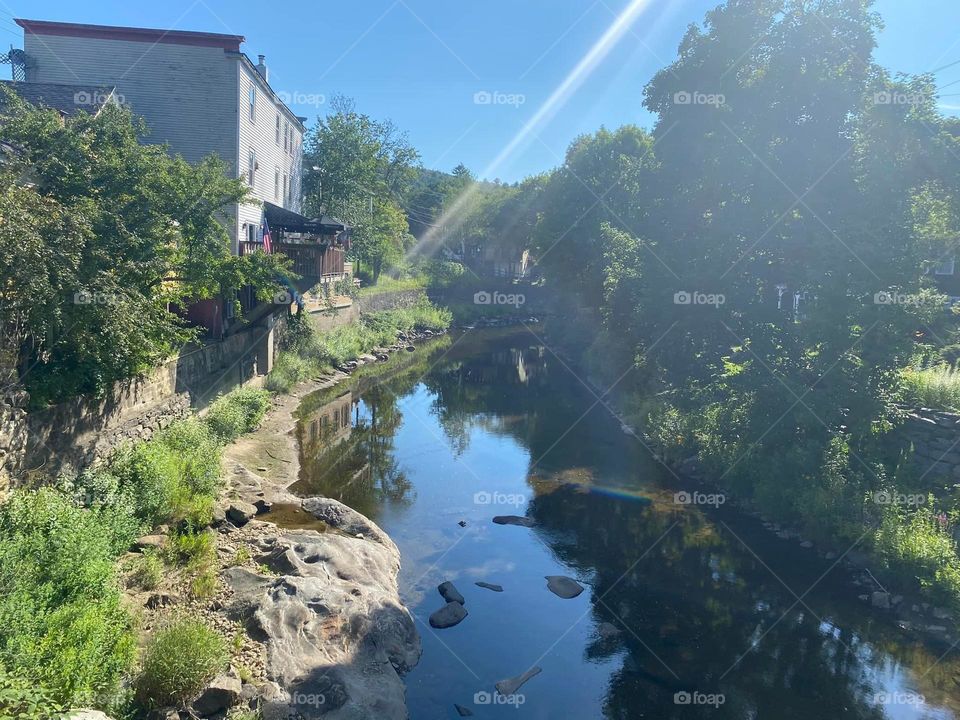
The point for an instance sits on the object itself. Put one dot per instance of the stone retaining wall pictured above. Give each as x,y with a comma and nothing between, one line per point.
935,436
70,436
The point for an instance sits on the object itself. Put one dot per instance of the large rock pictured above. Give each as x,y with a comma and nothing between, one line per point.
336,634
347,520
221,694
450,593
449,615
240,513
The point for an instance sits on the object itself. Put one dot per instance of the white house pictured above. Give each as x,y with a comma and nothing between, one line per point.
197,92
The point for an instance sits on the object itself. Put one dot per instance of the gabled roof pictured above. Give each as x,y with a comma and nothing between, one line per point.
135,34
67,99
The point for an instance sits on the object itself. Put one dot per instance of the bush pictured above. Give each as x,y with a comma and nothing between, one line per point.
62,624
171,476
178,662
237,413
146,571
289,369
21,698
917,547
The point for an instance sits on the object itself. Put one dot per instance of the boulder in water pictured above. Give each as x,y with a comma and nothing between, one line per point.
562,586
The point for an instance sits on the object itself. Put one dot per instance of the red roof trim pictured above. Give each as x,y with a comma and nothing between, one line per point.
111,32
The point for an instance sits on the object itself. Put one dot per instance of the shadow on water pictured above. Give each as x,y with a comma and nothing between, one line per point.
687,613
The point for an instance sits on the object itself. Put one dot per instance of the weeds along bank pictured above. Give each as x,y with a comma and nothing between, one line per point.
68,638
863,498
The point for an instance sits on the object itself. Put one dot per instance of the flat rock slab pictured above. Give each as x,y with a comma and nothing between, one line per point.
449,615
562,586
450,593
511,685
514,520
489,586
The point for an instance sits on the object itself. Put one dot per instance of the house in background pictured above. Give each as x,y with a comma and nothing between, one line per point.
199,94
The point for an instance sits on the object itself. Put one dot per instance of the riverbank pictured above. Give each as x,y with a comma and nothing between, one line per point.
913,610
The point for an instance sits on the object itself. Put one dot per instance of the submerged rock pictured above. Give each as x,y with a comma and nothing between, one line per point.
463,711
608,630
449,615
880,600
450,593
562,586
489,586
514,520
511,685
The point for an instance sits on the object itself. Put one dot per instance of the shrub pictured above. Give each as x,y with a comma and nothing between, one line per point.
178,662
146,571
197,451
62,624
21,698
148,473
916,547
289,369
237,412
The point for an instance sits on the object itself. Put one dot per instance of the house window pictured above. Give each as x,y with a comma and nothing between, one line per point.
286,184
251,232
276,184
286,135
253,103
277,138
944,267
252,168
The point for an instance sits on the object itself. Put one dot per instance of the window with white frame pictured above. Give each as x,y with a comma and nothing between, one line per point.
276,183
252,98
286,190
944,267
252,167
277,132
286,135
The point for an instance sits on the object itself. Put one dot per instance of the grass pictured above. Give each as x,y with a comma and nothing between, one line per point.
237,412
178,662
386,284
937,387
146,571
312,354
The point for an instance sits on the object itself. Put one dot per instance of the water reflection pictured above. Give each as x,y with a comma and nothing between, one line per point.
681,605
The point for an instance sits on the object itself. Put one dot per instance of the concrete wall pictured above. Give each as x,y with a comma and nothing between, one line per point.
72,435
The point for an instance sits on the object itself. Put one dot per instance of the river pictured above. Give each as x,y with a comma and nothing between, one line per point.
689,611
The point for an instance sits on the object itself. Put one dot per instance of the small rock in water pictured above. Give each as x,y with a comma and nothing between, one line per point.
831,555
511,685
463,711
450,593
448,616
806,544
462,523
489,586
514,520
562,586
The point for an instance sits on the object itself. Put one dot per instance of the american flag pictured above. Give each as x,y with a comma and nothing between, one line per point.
265,235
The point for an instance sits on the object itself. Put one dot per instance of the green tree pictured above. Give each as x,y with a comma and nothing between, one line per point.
104,236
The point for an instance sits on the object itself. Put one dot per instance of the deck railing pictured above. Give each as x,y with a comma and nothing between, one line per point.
309,261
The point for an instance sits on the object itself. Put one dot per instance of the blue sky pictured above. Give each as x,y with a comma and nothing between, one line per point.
423,62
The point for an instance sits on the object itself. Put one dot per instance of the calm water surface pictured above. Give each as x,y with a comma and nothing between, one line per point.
709,607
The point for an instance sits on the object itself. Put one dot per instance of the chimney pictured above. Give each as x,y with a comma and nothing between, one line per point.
262,68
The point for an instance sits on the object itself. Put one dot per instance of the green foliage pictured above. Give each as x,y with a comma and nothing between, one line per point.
178,661
936,387
171,476
146,571
22,699
237,412
62,624
315,352
918,549
108,229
